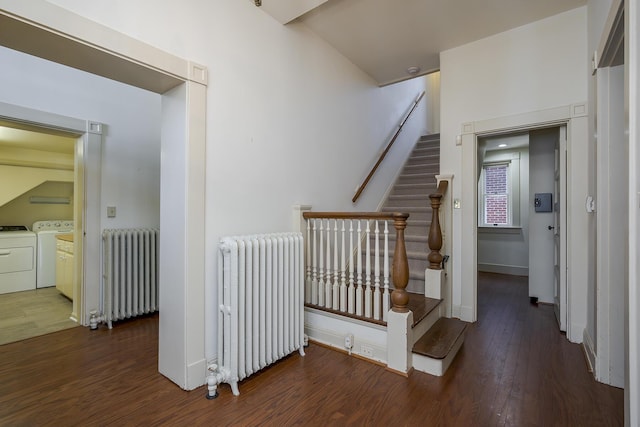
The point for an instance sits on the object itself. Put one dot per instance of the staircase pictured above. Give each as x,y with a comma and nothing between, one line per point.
411,194
436,339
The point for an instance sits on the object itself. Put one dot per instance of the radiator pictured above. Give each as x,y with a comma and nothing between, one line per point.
261,305
130,273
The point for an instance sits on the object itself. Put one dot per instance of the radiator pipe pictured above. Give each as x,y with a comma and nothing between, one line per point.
94,319
213,379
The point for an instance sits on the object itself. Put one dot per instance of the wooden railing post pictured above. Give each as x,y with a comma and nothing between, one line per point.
435,232
399,296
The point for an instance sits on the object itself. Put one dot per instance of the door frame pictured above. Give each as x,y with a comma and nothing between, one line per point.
575,118
86,210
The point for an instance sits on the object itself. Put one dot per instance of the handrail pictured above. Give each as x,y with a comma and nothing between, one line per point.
435,232
355,215
386,150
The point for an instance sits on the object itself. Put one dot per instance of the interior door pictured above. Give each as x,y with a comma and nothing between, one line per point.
560,233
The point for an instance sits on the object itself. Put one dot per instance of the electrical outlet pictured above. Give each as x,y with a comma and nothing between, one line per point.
348,341
366,351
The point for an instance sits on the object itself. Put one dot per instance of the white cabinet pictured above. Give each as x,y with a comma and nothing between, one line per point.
64,266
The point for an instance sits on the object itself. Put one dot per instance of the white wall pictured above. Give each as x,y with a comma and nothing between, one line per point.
131,139
538,66
289,119
128,177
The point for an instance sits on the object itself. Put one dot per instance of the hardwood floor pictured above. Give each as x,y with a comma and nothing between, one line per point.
514,369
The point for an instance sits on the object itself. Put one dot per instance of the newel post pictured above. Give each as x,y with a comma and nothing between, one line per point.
399,296
435,233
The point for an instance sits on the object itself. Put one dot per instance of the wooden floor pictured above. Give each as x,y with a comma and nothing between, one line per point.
32,313
514,369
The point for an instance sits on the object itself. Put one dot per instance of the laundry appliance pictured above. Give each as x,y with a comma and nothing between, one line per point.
17,259
46,232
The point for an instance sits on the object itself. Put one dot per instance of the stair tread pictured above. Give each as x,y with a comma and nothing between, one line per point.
440,339
421,306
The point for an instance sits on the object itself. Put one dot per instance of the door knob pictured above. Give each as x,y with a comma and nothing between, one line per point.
550,227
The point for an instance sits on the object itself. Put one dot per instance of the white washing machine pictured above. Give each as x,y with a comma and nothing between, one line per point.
17,259
46,232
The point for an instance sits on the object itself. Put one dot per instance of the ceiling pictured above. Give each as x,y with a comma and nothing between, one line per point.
16,138
385,37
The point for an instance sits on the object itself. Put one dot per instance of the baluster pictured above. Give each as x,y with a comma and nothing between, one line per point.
321,267
385,296
314,275
343,273
435,233
308,282
327,282
336,266
367,292
359,272
399,296
352,289
376,292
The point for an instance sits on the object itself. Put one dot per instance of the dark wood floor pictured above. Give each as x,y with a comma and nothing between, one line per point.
514,369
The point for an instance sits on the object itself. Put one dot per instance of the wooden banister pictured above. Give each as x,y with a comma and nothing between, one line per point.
400,271
386,150
400,266
435,232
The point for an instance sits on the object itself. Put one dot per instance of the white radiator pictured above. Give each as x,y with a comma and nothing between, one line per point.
261,305
130,273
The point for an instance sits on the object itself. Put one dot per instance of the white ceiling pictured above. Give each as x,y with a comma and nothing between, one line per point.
385,37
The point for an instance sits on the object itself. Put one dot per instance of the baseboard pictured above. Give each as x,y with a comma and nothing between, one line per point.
196,374
513,270
463,313
369,340
589,353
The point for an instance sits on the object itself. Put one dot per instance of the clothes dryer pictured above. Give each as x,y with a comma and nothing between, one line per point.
17,259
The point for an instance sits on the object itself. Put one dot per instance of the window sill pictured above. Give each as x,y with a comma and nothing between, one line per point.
500,229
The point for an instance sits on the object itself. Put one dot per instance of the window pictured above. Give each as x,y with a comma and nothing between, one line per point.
499,191
496,204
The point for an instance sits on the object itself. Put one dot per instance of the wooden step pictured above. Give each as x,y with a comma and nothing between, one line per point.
421,306
438,342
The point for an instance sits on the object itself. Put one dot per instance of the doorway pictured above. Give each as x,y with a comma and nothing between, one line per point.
575,118
42,166
519,183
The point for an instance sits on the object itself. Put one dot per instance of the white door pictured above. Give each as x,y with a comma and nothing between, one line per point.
542,167
560,233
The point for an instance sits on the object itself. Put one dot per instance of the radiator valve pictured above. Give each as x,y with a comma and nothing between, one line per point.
93,320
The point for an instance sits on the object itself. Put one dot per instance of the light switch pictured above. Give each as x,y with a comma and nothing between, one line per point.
456,203
111,211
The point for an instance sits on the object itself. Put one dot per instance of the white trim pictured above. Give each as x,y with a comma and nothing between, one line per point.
632,104
574,116
587,345
87,174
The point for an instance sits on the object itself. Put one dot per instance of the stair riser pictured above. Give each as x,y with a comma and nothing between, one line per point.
423,190
417,179
436,367
417,202
433,161
421,328
421,169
